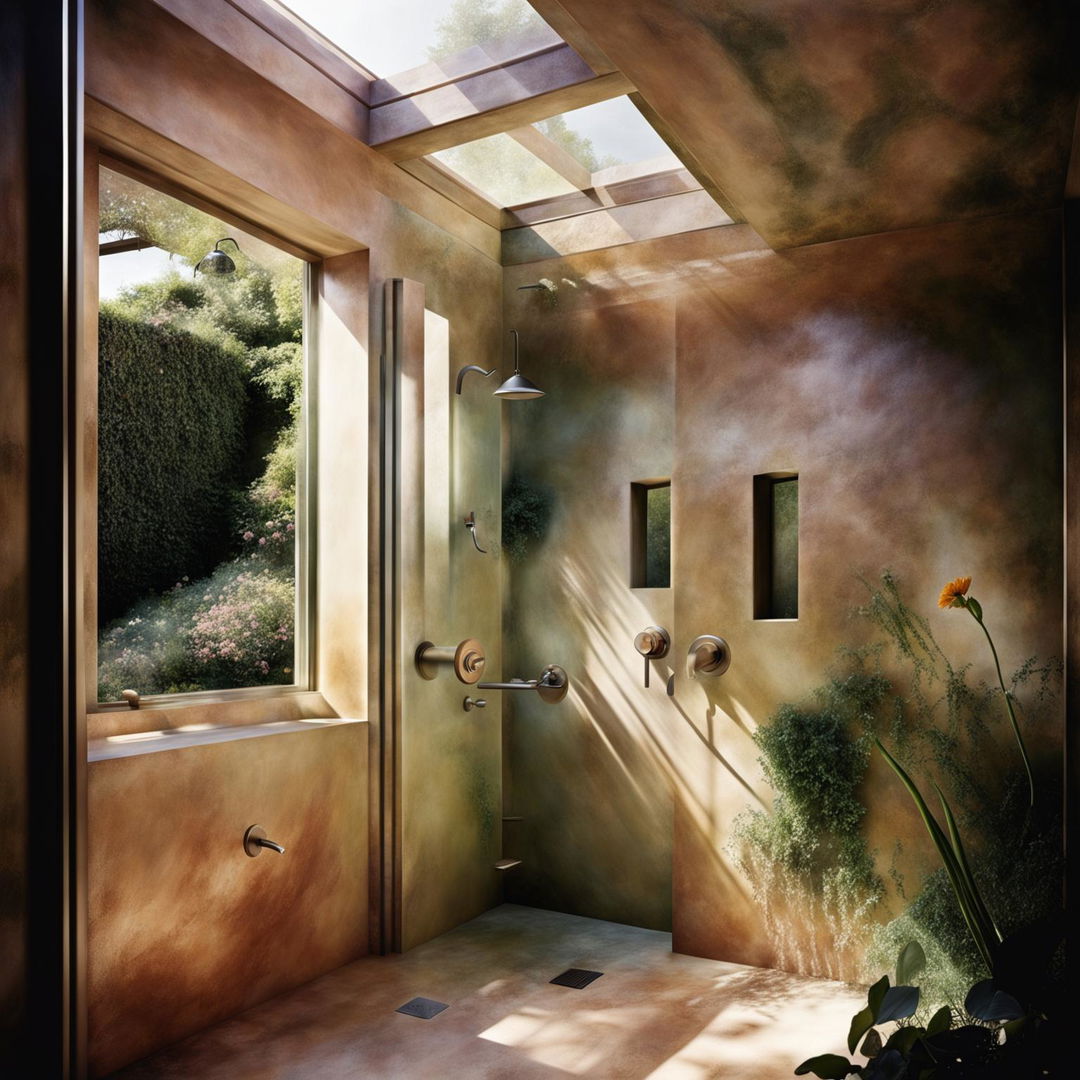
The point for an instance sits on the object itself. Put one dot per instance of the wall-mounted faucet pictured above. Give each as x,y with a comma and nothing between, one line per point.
652,643
255,840
470,524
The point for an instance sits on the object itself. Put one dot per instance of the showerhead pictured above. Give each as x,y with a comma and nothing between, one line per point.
517,387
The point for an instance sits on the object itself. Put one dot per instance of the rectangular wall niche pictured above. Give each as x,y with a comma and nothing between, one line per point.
776,546
650,534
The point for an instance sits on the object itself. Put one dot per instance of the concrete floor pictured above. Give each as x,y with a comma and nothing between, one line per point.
653,1013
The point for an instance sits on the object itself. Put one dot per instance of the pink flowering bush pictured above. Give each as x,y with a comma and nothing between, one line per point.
234,628
246,632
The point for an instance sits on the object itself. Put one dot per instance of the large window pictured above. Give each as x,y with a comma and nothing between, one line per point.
200,430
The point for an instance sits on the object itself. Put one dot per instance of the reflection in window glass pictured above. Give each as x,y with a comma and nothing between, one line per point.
784,597
200,384
658,537
390,38
505,171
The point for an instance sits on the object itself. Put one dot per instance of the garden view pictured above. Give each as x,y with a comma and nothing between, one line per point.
200,390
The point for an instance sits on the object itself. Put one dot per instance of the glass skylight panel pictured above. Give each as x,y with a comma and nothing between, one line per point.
388,38
503,170
607,134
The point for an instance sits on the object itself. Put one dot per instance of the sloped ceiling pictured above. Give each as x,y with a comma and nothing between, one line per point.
821,119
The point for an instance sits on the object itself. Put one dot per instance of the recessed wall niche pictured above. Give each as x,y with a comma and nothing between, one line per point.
776,545
650,534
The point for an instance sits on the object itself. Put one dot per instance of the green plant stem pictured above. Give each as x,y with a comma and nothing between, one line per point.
1009,706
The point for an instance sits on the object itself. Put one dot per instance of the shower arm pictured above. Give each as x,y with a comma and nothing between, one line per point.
517,363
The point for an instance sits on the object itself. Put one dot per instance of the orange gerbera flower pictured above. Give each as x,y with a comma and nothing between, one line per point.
953,593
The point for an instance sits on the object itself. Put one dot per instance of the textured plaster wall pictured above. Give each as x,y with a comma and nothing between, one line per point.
913,381
449,765
186,929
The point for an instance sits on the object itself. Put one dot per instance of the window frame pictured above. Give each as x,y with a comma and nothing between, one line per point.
304,666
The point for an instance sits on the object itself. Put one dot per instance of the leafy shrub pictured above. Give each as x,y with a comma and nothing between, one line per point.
815,756
526,514
171,414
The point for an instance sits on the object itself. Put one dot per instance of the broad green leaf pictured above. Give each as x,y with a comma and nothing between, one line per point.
986,1003
940,1021
899,1003
903,1039
826,1067
910,963
860,1024
877,994
871,1045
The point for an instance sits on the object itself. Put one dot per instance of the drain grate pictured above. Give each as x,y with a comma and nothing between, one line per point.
425,1008
576,978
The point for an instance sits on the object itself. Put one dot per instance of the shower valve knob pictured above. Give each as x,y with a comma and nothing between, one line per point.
652,643
708,655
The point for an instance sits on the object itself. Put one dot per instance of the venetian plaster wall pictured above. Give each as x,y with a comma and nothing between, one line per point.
186,929
913,380
177,94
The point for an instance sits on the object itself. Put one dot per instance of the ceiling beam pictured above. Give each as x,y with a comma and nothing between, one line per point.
518,93
569,29
552,155
620,192
456,188
612,226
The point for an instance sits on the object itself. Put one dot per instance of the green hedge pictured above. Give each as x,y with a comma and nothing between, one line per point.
172,409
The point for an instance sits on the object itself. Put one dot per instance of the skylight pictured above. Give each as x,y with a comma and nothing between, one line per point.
388,38
572,152
608,133
505,171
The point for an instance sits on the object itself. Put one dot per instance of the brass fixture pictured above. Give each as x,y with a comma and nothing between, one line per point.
465,371
552,685
470,524
471,703
708,655
517,387
255,840
131,697
652,643
467,658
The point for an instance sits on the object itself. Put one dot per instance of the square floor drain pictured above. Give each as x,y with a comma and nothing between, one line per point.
577,978
425,1008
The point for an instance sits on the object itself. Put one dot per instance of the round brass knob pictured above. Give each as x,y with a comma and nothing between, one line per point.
653,642
469,661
